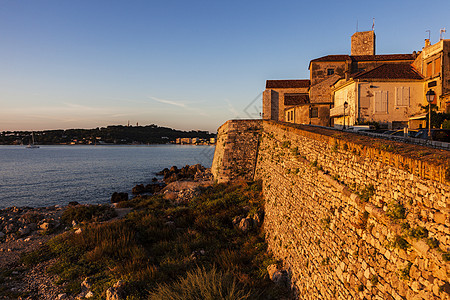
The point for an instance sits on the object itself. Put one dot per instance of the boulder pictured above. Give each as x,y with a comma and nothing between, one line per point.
246,224
278,276
237,220
154,188
86,285
116,292
119,197
138,189
281,278
24,230
33,226
73,203
258,219
10,228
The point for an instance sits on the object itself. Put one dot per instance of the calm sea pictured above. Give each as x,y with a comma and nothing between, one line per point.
54,175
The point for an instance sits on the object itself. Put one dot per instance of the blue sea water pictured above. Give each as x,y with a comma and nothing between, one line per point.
53,175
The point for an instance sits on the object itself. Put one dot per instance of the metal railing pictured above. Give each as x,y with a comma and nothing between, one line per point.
409,140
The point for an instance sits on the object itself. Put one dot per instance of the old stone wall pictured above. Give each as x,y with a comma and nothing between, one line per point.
353,217
363,43
236,150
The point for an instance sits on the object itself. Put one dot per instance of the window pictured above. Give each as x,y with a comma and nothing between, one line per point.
314,112
437,65
429,69
330,71
402,96
381,102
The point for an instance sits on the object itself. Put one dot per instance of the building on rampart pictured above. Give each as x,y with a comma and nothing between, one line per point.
280,94
395,101
388,94
433,62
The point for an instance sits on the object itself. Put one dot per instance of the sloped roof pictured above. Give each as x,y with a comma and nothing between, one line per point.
383,57
287,84
332,58
296,99
390,71
380,57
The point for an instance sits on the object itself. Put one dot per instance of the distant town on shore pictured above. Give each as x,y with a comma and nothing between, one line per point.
115,134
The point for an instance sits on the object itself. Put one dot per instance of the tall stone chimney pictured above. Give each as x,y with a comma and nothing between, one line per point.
363,43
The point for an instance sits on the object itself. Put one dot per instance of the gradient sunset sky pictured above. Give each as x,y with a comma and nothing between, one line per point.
182,64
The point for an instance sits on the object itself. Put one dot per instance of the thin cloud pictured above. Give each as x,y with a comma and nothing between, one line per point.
232,109
168,102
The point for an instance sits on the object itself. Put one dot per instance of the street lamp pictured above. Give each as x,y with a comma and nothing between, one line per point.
430,98
345,107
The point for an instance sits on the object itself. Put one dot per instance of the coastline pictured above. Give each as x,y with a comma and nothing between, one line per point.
26,229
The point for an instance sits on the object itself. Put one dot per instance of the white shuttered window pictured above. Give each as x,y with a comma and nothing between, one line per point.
402,96
381,102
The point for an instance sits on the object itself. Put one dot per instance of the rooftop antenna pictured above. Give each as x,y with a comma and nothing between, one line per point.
441,33
373,24
429,34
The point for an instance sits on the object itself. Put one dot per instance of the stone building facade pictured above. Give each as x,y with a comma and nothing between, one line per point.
324,73
282,94
389,94
433,62
363,43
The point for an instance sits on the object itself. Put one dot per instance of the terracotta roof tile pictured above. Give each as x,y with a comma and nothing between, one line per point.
380,57
332,58
287,84
383,57
390,71
296,99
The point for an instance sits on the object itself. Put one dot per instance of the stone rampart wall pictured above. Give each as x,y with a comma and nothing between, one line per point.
236,150
353,217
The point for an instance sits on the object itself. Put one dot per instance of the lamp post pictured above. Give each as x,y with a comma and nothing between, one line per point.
430,98
345,107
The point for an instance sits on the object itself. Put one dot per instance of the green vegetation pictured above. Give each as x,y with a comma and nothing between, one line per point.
418,232
202,284
286,144
189,248
367,192
396,211
118,134
374,279
400,242
87,213
446,256
404,272
437,118
432,242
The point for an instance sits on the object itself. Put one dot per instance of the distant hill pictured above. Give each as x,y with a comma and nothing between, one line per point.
116,134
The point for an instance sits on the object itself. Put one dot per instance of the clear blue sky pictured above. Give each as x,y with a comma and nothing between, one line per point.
183,64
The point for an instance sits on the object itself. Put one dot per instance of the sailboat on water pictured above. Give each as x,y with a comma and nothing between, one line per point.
32,145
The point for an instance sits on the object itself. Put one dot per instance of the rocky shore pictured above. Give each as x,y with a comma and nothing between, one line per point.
24,229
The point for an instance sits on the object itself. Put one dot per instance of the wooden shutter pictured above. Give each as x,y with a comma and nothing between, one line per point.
377,106
406,96
398,96
384,102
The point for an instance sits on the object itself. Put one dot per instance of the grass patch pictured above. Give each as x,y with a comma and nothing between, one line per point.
396,211
164,243
367,192
87,213
202,284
